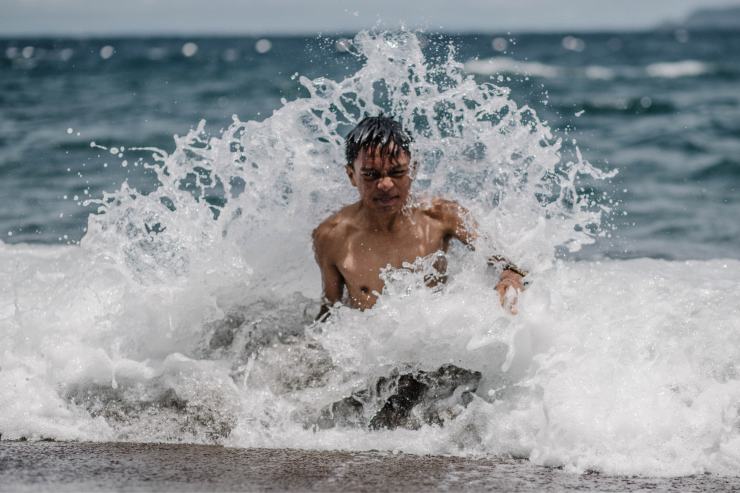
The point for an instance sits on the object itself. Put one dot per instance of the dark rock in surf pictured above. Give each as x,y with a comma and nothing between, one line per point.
349,412
396,412
426,397
157,406
223,330
405,400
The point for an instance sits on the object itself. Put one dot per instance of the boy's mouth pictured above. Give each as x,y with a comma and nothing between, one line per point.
386,200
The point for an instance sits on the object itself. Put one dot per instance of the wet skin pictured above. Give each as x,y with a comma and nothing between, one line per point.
354,244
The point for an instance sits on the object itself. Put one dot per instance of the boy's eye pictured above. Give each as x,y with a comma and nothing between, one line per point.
375,175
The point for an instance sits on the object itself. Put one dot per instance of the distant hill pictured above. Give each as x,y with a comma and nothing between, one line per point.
714,18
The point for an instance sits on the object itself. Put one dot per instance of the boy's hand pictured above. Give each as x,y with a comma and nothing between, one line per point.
509,285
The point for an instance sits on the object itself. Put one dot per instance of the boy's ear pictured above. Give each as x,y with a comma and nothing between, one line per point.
413,168
351,174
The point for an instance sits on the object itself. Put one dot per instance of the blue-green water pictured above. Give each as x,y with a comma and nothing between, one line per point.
663,108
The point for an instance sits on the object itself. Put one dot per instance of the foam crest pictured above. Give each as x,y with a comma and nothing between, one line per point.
674,70
506,65
671,70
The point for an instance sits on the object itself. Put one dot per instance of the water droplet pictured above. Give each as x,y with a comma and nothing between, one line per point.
189,49
106,52
263,46
499,44
343,45
572,43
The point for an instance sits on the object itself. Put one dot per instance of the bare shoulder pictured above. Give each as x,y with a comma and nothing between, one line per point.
332,229
453,217
444,210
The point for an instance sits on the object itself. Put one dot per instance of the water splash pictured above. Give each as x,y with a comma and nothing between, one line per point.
185,313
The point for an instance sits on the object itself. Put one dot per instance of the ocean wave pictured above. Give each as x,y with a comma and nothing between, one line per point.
599,72
724,169
673,70
505,65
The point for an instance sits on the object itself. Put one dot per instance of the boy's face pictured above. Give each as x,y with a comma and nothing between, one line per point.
384,182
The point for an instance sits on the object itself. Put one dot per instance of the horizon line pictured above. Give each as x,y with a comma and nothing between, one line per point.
345,33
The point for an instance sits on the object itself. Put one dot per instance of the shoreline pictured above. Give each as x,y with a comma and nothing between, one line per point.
120,466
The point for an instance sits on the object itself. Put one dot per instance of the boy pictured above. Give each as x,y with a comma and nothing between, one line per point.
353,245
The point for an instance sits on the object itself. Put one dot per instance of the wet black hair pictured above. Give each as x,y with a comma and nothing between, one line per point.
374,132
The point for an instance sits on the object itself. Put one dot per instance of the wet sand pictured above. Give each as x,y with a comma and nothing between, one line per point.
67,466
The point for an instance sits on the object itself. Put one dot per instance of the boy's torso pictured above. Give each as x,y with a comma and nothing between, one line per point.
359,252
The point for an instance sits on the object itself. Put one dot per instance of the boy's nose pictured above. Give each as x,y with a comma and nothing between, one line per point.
385,183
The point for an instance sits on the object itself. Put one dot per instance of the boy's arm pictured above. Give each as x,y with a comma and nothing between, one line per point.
462,226
331,279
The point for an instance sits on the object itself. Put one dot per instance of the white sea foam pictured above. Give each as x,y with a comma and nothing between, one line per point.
599,72
674,70
179,319
506,65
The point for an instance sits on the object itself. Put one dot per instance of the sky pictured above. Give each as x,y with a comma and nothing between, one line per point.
116,17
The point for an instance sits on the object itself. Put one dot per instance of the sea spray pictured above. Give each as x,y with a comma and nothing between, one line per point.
185,314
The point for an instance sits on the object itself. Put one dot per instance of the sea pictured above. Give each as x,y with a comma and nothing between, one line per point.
157,279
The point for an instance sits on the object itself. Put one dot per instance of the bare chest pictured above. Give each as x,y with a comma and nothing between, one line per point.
365,254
